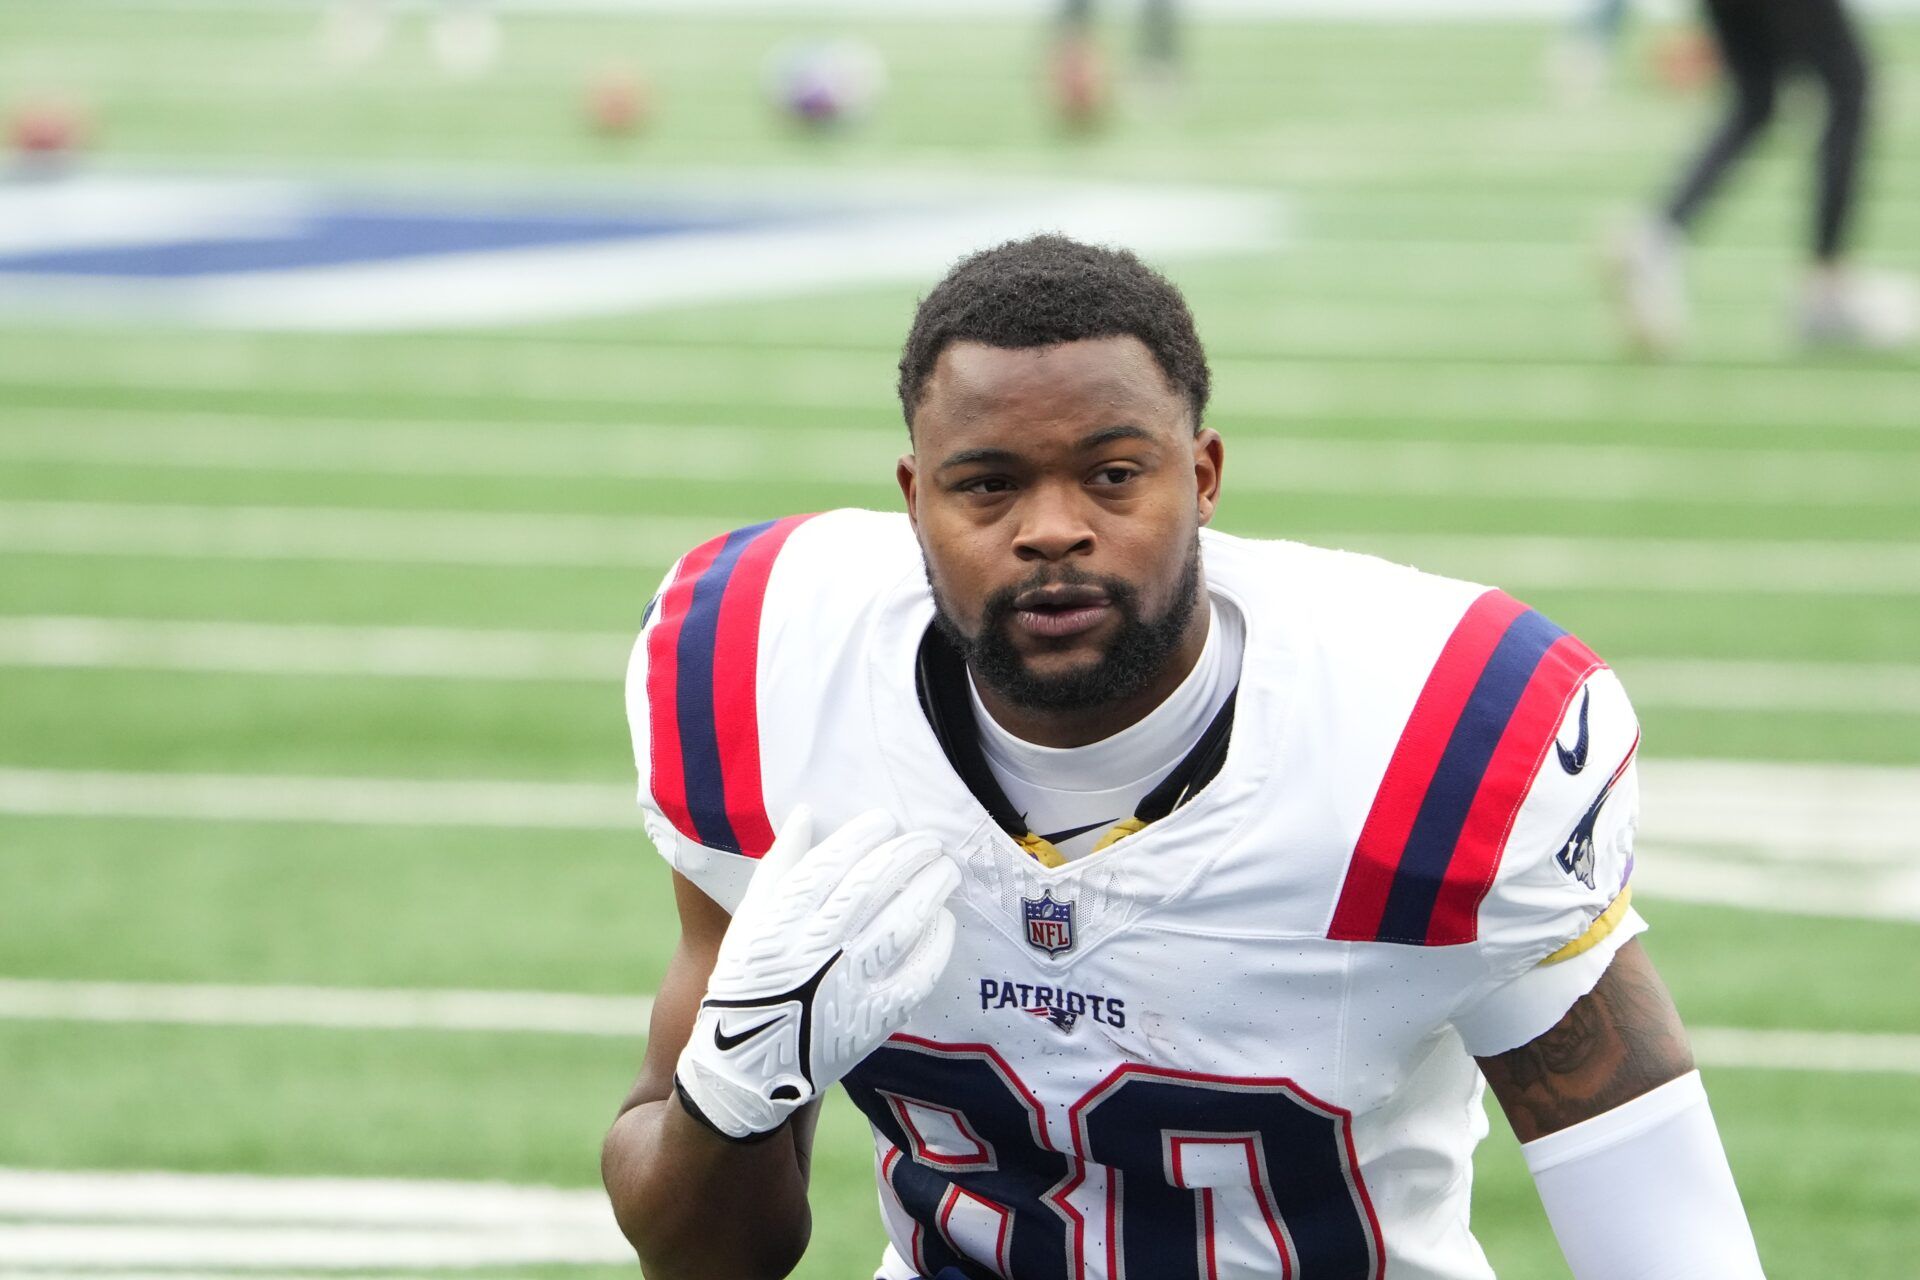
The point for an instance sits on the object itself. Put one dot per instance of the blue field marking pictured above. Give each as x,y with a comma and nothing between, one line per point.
360,255
341,237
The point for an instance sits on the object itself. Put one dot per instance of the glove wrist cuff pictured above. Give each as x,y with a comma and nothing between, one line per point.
692,1108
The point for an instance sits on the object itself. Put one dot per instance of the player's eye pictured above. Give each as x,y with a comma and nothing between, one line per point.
1110,477
985,485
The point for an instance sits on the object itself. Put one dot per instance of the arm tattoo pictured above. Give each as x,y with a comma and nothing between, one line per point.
1617,1042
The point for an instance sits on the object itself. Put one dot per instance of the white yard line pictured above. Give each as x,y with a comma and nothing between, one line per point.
1863,688
1807,1050
411,447
1816,813
241,1198
349,534
276,649
1582,473
525,539
600,657
1732,877
333,800
1805,839
655,451
100,1245
84,1220
551,1013
1656,564
191,1273
339,1008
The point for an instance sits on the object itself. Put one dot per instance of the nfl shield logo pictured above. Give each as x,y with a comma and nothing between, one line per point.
1049,923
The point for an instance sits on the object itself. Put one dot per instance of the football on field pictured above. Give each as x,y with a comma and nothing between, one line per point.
825,82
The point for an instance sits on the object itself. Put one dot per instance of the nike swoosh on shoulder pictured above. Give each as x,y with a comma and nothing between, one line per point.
1575,760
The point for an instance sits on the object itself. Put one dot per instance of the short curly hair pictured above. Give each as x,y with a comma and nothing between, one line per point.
1048,289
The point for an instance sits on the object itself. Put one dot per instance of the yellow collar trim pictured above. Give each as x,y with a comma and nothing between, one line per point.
1046,854
1043,850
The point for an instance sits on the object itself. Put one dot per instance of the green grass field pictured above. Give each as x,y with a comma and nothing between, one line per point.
1421,364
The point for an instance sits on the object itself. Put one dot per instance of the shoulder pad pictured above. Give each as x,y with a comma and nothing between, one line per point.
1484,722
703,719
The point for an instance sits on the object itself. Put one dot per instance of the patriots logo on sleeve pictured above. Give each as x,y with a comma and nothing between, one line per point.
1577,856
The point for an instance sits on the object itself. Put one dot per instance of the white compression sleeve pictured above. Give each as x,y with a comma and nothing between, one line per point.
1643,1192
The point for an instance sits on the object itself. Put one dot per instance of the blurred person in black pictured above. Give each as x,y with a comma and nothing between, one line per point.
1760,42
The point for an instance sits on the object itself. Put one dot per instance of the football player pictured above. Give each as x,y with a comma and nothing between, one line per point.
1760,42
1078,71
1163,899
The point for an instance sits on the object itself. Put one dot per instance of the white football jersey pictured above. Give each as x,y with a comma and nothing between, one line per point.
1235,1043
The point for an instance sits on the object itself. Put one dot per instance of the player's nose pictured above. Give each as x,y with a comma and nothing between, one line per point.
1053,524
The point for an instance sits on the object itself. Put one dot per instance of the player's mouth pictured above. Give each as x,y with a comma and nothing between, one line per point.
1055,613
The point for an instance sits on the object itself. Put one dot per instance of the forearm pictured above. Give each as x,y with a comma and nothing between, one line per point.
1643,1192
696,1207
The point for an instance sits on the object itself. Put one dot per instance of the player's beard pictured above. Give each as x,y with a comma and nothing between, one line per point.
1138,653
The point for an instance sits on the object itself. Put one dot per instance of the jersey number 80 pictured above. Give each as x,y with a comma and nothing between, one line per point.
1183,1176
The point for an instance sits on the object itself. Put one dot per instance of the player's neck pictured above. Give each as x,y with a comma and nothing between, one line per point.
1091,724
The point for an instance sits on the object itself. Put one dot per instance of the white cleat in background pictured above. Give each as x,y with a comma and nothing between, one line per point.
1649,285
1578,70
1852,310
465,39
353,33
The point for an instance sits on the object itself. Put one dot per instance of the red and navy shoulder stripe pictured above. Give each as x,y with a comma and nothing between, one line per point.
1479,730
702,696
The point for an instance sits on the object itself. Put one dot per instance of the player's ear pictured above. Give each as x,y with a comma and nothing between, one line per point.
908,477
1209,462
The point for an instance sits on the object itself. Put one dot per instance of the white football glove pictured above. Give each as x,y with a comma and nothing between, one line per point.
827,955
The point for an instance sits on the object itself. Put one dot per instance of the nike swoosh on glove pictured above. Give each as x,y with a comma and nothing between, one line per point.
828,954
